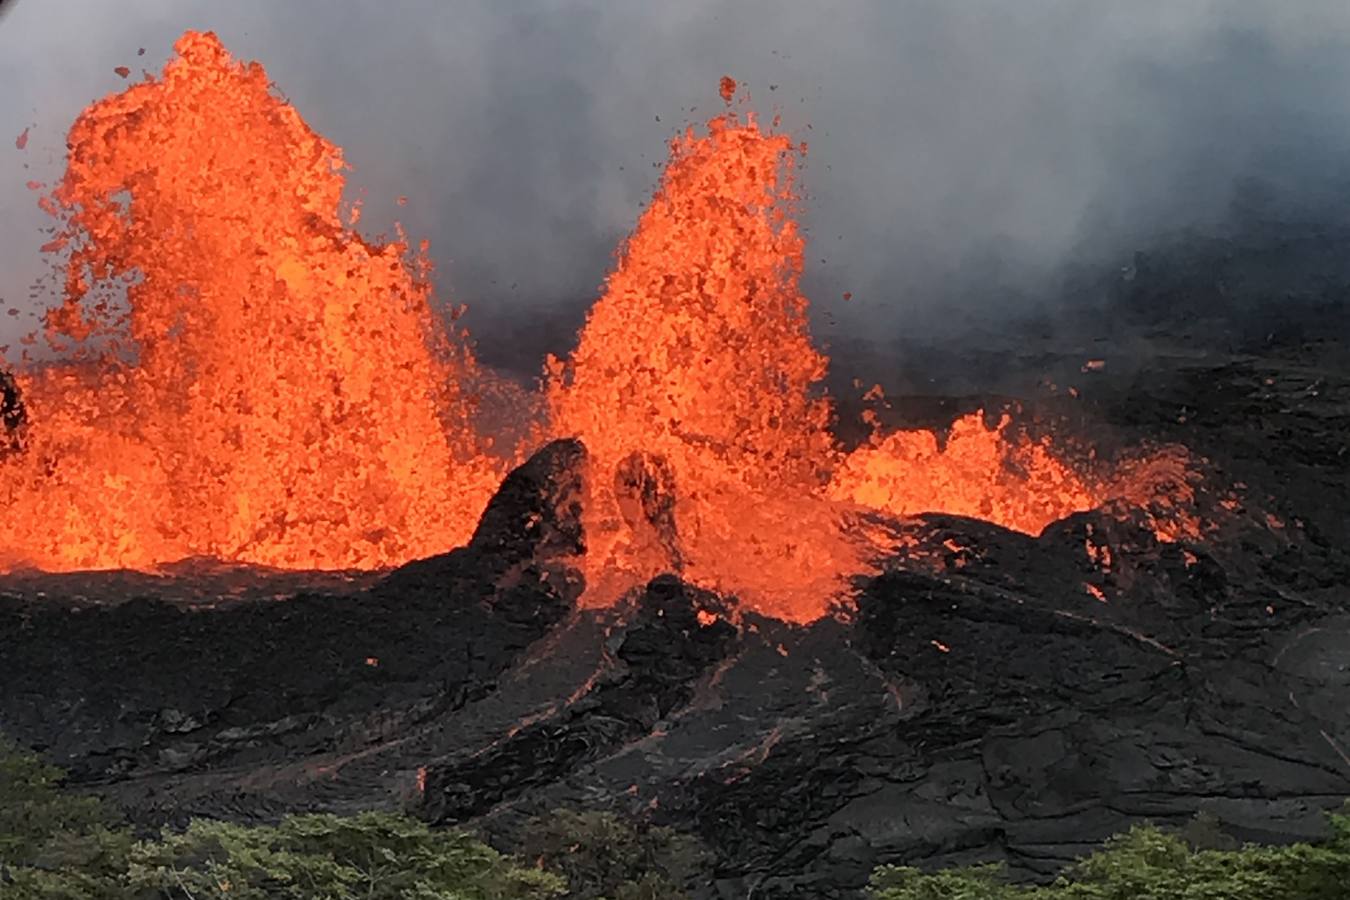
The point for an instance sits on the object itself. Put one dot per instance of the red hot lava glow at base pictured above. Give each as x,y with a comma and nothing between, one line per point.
248,379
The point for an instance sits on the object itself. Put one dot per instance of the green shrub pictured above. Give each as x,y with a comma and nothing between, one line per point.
1147,863
602,856
54,843
968,883
58,845
376,856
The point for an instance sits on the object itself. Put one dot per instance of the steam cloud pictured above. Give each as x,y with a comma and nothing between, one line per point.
959,152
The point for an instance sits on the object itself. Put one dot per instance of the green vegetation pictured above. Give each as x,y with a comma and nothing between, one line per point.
59,845
54,844
602,856
1148,863
372,855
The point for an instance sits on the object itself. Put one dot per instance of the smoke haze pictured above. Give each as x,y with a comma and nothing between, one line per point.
959,153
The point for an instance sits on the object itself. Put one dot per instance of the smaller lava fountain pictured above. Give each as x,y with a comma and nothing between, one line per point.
248,379
981,471
698,359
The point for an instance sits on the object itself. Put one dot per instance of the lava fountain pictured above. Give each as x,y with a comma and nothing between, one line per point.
248,379
272,390
695,384
696,368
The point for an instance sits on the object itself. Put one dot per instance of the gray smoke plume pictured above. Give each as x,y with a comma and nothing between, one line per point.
961,153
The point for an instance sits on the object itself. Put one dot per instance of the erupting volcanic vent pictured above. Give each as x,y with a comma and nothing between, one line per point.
698,359
248,379
273,391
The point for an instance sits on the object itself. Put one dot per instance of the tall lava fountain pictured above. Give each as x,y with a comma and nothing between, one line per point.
274,390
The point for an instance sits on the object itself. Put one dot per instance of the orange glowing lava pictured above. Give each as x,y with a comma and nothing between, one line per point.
250,380
272,390
694,386
983,472
699,359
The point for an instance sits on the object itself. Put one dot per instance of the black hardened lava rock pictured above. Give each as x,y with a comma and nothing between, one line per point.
143,692
661,655
529,534
13,415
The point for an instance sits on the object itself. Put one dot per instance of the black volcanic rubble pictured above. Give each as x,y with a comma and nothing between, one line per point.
979,705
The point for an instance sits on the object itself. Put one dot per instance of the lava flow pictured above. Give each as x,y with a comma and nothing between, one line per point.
254,382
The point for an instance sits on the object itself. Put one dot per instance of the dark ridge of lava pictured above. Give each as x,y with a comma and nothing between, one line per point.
977,705
130,692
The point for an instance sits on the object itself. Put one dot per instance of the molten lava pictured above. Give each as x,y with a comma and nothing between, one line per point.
698,357
250,380
983,472
695,377
272,391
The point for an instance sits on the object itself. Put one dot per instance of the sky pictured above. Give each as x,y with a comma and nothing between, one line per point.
960,152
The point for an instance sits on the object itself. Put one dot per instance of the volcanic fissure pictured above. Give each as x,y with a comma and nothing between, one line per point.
245,378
